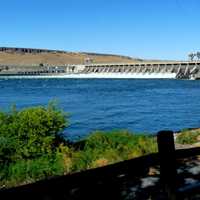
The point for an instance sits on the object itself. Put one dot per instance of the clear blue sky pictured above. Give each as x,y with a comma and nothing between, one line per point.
162,29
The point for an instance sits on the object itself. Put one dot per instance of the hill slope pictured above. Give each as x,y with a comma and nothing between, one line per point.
58,58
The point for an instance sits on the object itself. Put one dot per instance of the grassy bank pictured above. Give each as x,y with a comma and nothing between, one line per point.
189,137
32,146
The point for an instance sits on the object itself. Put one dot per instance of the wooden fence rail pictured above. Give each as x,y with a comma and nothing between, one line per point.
103,182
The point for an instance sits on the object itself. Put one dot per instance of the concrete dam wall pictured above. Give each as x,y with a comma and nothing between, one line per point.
176,70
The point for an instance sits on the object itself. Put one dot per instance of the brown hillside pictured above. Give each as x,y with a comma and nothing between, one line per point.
56,58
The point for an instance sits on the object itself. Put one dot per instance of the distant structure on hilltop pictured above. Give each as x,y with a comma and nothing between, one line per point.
28,50
192,56
88,60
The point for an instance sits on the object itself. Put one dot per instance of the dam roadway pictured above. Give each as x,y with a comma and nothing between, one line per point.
162,69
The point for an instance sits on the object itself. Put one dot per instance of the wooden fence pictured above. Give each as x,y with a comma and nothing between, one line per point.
105,182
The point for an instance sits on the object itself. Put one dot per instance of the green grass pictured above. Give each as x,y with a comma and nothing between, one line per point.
102,148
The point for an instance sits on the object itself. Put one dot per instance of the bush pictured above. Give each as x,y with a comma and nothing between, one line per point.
30,133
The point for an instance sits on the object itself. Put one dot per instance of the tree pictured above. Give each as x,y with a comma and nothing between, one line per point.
191,56
198,55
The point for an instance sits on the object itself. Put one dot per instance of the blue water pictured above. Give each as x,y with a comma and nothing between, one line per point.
137,105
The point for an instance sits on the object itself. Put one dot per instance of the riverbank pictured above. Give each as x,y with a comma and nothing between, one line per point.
33,148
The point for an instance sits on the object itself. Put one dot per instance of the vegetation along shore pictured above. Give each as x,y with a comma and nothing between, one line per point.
32,146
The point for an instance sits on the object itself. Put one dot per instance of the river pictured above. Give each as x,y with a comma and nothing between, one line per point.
105,104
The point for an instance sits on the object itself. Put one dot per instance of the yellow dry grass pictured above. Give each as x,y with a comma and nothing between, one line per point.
57,58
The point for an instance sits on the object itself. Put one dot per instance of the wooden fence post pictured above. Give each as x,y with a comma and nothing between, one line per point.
168,171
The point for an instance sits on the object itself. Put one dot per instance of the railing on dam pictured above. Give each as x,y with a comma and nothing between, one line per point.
115,181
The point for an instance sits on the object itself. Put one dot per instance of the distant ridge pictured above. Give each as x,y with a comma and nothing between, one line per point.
36,50
34,56
28,50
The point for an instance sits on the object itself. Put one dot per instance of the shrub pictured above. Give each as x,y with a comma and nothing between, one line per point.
30,133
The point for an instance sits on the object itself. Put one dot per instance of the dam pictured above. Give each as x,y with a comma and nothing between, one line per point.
168,69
